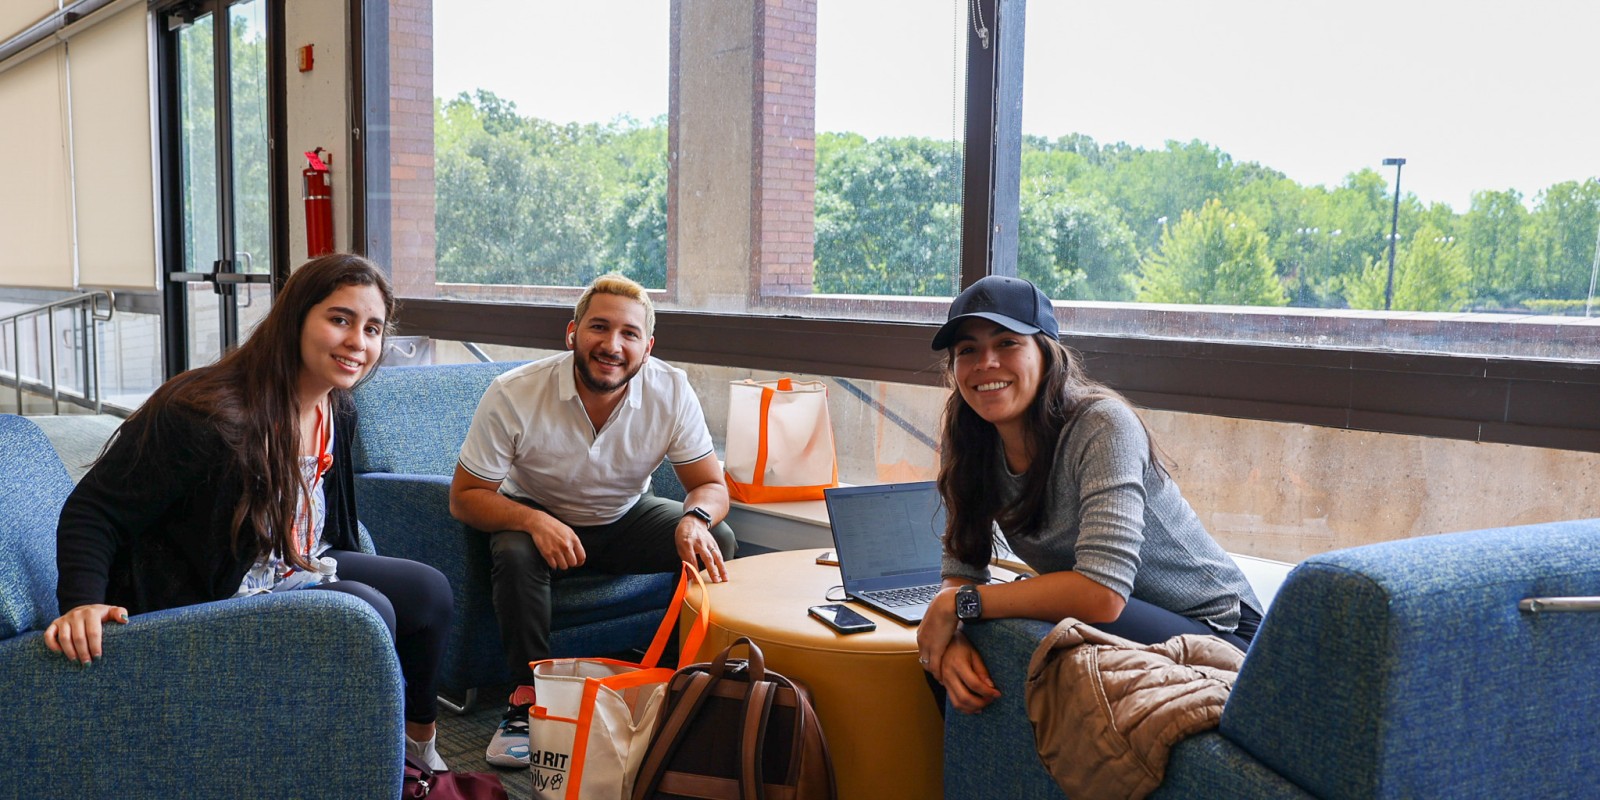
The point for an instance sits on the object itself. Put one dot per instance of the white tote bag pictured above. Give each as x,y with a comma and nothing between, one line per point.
593,720
780,441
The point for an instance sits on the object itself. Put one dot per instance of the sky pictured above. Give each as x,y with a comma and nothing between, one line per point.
1474,94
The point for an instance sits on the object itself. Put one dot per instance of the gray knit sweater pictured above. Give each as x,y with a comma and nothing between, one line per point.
1119,521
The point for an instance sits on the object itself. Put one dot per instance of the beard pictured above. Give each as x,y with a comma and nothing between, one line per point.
594,383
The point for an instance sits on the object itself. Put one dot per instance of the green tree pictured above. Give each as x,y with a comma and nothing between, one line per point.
887,215
1073,247
1430,274
636,237
525,201
1149,185
1493,242
1560,240
1213,257
1298,242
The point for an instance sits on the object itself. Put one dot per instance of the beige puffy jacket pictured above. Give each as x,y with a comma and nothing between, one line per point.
1106,711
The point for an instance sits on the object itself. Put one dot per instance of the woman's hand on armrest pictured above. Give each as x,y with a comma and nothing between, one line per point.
76,634
965,678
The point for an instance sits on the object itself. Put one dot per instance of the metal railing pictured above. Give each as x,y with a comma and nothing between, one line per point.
87,309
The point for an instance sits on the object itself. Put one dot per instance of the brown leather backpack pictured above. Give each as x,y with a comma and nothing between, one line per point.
732,729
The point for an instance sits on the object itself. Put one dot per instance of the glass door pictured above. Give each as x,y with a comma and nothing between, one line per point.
220,269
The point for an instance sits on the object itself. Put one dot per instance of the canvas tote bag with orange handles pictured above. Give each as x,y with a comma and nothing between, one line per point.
780,441
591,726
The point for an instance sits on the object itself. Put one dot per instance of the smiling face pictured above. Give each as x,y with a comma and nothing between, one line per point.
340,341
610,343
997,371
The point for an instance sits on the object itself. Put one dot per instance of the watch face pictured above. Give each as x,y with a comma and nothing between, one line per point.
968,604
700,513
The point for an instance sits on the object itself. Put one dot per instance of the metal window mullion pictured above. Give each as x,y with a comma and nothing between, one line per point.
222,90
992,167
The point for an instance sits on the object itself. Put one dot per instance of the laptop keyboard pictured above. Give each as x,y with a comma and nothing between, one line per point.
909,596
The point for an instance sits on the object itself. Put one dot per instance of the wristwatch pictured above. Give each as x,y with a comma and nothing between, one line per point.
969,604
697,511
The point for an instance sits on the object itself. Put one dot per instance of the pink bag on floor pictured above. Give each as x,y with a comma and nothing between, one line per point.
423,782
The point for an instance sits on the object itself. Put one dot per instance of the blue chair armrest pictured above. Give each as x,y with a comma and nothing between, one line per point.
364,539
1209,766
242,698
991,753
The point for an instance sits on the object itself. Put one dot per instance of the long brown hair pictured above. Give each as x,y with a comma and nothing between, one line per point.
249,399
970,446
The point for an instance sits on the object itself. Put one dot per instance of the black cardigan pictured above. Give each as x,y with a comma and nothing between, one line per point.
150,530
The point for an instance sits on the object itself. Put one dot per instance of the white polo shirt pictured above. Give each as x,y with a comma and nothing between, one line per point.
531,434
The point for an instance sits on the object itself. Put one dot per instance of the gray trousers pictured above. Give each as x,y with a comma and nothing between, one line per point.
642,541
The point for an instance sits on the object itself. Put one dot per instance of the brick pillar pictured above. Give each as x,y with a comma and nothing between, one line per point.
411,178
783,192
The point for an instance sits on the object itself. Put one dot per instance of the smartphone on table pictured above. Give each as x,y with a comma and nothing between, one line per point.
842,618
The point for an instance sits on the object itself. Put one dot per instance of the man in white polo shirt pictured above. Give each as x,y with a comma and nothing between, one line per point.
557,464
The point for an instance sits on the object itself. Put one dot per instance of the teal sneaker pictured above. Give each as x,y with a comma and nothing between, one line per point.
509,745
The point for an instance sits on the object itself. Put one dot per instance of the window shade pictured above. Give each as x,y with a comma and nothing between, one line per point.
17,16
113,161
36,230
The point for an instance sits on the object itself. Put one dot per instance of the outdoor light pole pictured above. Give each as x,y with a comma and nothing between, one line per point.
1394,230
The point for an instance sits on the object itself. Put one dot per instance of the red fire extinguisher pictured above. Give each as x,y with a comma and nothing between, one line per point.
319,203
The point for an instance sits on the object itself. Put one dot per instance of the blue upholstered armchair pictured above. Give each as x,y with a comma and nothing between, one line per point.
1404,669
285,695
413,421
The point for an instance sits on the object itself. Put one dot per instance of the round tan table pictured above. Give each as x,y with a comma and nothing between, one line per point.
884,731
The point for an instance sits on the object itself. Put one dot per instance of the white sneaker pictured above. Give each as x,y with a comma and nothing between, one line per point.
426,753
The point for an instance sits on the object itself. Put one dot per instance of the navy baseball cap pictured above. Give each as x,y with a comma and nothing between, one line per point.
1012,302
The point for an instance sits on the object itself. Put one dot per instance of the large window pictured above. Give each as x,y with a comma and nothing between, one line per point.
1221,155
1203,189
735,161
551,161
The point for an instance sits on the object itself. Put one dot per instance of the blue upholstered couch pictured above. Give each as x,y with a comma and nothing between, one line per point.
242,698
1398,670
413,421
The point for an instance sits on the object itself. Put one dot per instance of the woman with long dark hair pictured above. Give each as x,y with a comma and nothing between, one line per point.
235,479
1063,468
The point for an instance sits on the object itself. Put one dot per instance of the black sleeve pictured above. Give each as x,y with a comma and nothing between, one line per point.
339,484
155,462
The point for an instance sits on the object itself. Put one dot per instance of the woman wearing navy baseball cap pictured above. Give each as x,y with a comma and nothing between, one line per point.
1066,471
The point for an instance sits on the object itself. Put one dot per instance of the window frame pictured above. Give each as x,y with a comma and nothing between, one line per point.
1521,401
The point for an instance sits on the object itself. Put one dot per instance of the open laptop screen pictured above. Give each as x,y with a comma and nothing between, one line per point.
887,536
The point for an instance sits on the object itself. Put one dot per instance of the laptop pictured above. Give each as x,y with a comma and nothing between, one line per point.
888,540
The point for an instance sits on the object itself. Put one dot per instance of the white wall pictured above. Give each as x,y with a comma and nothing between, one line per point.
318,105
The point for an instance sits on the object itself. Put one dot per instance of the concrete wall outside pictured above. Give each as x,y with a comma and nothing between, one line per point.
710,164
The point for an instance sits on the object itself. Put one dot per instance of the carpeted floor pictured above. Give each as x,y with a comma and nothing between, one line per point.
462,739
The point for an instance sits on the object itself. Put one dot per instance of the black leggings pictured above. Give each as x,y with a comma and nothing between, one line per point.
414,601
1150,624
